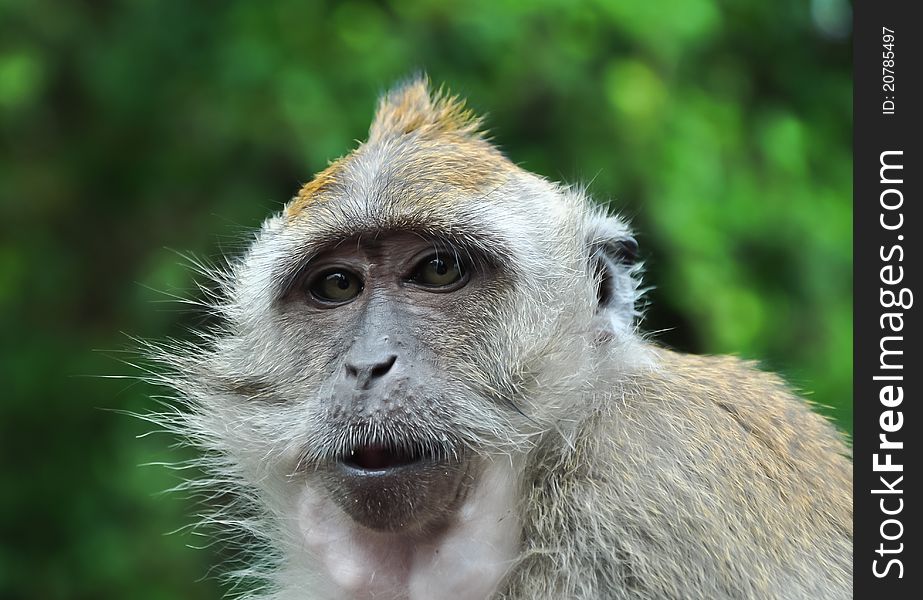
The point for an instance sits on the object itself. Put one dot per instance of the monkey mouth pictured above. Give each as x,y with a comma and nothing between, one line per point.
380,457
405,487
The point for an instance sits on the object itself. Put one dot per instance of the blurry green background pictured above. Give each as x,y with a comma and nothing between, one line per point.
131,130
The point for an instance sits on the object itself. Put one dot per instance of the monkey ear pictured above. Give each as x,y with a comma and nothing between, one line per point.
614,264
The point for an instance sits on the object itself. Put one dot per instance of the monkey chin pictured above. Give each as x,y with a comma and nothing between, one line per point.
391,490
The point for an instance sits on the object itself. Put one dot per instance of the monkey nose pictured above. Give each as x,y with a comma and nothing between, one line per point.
367,372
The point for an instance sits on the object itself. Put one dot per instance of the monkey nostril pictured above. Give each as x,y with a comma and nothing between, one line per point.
366,373
384,366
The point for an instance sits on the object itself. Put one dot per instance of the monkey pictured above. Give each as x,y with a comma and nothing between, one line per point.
429,382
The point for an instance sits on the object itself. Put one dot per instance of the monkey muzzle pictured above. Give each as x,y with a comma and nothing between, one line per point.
391,488
393,465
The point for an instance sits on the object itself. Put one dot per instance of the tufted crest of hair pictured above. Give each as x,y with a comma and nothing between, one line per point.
413,108
428,137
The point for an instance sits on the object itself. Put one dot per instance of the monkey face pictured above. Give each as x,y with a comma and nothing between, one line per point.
395,318
381,354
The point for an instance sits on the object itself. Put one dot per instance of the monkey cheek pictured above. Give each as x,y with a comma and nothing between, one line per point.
414,497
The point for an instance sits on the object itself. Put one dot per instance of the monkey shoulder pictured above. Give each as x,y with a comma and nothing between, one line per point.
736,400
715,445
741,437
699,477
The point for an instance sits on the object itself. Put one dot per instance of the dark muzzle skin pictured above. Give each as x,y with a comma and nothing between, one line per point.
385,490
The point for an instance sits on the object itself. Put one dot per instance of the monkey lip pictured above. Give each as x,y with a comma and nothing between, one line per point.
377,457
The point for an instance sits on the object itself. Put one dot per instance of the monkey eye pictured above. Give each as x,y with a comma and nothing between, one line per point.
335,286
439,273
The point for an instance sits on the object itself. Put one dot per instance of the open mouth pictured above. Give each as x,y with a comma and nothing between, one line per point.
378,457
391,487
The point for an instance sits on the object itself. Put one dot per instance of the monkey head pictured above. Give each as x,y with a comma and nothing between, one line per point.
410,317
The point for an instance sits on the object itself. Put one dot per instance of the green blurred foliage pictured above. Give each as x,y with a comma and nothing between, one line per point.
721,127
